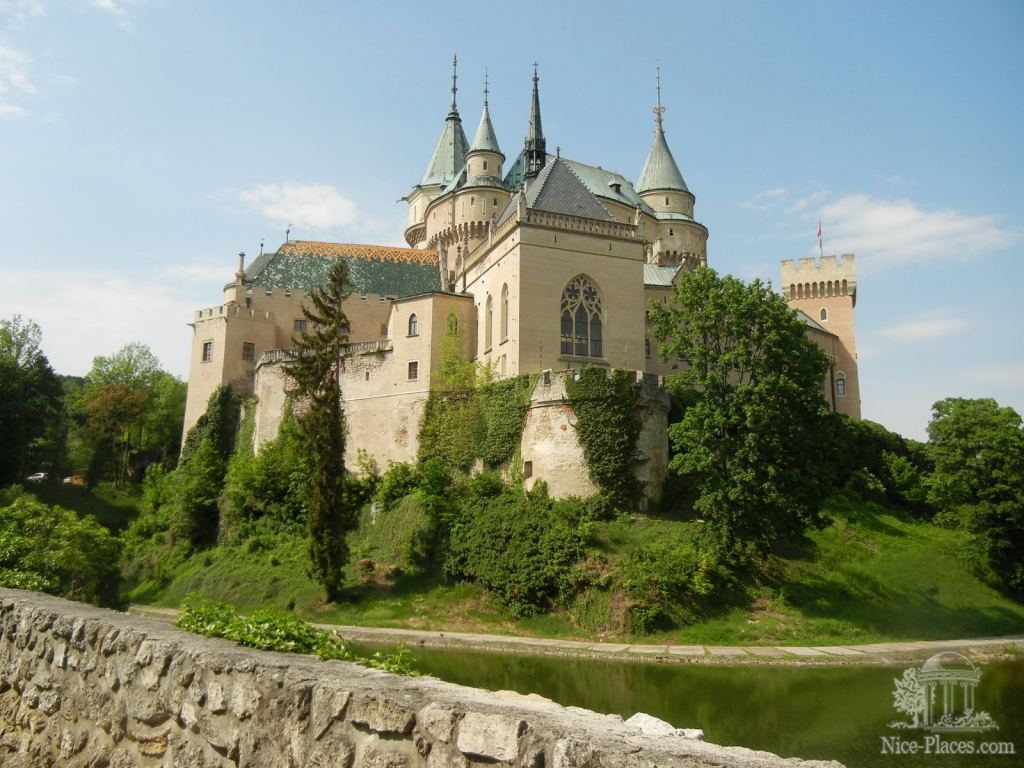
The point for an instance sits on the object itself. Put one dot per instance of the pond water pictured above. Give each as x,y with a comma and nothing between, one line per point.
838,713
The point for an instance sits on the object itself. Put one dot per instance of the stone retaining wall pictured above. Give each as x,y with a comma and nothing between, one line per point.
86,687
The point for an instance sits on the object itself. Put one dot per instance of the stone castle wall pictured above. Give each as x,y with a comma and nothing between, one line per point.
83,687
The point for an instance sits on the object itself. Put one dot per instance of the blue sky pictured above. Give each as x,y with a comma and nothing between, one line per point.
144,143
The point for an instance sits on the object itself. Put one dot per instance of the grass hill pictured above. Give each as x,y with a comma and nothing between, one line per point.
872,574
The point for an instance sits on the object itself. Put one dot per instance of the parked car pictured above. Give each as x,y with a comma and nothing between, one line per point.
38,477
74,480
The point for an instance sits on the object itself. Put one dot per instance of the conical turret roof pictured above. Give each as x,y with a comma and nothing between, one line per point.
450,153
660,171
485,140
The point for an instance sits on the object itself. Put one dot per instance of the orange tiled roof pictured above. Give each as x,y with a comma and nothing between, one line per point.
356,251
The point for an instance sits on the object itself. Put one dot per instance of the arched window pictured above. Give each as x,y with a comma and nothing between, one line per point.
504,312
823,314
841,384
488,322
582,323
412,325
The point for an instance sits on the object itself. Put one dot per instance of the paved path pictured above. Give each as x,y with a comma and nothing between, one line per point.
873,653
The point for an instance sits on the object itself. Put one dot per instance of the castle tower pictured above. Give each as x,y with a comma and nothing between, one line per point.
826,292
679,238
484,158
445,164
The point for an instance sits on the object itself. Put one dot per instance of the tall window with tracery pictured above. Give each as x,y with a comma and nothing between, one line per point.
504,312
582,321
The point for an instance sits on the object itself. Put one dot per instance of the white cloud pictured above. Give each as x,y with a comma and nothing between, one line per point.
116,10
318,206
929,326
809,201
10,111
763,201
16,12
88,313
14,70
895,232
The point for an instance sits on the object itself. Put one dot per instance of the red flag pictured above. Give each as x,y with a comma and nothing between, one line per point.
820,249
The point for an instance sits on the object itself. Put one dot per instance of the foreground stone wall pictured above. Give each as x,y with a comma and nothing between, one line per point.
82,686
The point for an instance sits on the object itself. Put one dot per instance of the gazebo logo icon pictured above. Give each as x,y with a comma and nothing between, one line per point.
938,696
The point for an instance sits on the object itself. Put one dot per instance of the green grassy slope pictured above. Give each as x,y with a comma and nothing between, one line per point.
112,506
872,575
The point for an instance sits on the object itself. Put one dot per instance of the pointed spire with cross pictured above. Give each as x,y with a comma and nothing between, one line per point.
659,110
455,76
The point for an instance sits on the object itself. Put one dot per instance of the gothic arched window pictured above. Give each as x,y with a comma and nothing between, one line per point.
488,323
582,326
412,325
504,312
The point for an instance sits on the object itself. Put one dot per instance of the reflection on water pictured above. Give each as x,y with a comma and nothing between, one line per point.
837,713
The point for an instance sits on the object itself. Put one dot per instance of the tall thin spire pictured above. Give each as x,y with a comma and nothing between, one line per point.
535,147
454,111
659,110
486,89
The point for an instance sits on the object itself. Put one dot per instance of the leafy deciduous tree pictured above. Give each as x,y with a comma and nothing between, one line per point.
978,480
758,421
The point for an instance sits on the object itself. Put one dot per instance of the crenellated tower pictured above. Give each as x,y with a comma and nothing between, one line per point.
826,291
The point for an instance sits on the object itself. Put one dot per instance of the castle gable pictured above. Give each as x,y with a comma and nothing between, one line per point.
302,265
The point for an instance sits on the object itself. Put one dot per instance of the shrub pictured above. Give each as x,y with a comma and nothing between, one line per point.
398,481
518,548
51,549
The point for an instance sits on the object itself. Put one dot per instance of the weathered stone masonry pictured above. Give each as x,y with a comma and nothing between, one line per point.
82,686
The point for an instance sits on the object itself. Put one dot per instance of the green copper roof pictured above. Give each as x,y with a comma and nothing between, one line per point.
485,140
608,184
660,170
449,154
659,276
302,265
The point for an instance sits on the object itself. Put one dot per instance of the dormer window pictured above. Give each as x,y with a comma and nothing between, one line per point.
616,187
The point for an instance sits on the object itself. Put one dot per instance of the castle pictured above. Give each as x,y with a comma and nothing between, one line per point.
545,264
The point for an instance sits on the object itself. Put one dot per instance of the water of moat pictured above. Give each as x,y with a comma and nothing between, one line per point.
836,713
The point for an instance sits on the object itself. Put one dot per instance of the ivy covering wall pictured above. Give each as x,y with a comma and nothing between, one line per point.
608,426
481,422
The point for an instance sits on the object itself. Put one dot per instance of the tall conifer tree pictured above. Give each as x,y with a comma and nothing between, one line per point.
316,371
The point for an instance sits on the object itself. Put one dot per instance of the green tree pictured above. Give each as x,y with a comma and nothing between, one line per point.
978,480
54,550
199,479
757,425
131,414
30,397
316,370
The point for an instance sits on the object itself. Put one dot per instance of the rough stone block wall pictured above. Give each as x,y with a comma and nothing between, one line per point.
83,687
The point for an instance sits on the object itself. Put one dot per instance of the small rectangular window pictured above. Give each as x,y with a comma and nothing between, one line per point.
527,470
362,296
414,370
647,348
383,329
207,351
300,326
248,351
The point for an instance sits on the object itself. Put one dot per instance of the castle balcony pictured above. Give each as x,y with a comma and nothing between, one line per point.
416,234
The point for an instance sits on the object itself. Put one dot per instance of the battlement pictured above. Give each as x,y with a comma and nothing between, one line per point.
819,278
233,310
